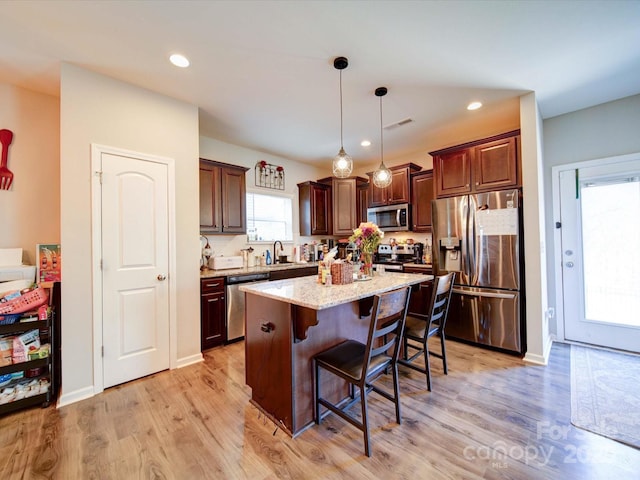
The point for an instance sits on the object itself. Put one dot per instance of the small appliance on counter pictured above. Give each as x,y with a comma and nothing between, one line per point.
221,263
418,253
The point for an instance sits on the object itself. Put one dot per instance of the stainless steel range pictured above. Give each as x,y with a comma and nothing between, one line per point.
392,257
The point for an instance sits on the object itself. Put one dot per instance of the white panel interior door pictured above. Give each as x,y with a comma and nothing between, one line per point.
600,255
135,261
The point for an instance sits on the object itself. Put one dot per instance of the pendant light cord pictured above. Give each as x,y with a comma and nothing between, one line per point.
341,141
381,141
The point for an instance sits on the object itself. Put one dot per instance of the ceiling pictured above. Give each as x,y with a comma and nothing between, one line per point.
262,71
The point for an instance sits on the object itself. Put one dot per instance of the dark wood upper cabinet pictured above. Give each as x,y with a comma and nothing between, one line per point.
344,198
453,173
495,165
314,206
421,195
363,202
400,189
488,164
222,198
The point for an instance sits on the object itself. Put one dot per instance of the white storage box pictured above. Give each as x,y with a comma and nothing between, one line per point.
221,263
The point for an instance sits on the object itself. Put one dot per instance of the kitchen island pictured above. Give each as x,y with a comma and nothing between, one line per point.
287,322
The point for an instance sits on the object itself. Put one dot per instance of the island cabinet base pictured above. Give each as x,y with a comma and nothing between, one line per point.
279,366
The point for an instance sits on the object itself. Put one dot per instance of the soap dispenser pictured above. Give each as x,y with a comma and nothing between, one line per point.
268,257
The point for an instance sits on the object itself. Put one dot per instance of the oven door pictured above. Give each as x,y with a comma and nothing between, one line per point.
388,266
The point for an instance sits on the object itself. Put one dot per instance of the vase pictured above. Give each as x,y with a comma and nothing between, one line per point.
367,264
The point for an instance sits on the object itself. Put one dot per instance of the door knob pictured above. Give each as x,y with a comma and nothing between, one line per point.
569,264
162,277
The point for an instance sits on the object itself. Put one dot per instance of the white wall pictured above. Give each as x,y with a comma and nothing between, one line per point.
602,131
30,209
295,172
98,109
535,292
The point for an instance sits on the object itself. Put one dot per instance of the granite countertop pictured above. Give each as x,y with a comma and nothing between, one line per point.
248,270
306,292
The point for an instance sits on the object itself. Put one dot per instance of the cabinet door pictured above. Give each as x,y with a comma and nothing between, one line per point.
320,210
422,194
495,165
363,203
453,173
269,357
233,201
377,196
344,206
398,191
420,298
212,317
210,212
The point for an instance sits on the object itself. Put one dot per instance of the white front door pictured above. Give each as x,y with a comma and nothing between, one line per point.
600,232
135,263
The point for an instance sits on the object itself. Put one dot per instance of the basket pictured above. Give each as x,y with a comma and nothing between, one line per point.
29,301
341,273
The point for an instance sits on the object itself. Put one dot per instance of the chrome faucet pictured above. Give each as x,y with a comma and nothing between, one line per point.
275,255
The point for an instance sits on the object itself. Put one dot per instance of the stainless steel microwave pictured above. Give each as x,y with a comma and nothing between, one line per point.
391,218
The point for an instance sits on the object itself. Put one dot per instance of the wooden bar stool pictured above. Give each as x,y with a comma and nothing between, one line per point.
419,328
361,365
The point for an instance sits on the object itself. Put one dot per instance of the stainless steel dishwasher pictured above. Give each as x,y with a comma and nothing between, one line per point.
235,303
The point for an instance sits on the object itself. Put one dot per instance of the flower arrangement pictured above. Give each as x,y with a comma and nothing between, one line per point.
367,237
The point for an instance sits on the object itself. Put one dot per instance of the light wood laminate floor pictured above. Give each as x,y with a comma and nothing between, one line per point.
492,417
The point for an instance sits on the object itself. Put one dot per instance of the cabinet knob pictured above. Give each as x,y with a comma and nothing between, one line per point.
162,277
267,327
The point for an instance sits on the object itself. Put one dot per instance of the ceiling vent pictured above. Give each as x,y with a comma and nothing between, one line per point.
391,126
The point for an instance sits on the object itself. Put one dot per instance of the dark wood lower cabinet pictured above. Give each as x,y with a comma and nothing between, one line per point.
213,312
420,294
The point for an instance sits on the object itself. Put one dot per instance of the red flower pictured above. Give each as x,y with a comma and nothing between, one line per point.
279,168
263,164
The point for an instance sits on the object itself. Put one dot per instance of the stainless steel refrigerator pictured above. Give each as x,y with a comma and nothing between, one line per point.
479,236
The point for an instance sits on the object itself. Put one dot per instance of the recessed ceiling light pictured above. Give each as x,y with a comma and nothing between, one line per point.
179,60
474,106
365,143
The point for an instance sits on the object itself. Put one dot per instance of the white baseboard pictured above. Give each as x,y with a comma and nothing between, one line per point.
183,362
540,359
75,396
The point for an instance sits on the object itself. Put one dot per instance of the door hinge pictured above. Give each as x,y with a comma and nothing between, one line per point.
102,350
99,175
558,225
100,264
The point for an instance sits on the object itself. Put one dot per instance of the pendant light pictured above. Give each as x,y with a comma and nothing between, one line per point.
342,163
381,177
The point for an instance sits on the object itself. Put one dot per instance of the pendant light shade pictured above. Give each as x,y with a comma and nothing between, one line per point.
342,163
382,176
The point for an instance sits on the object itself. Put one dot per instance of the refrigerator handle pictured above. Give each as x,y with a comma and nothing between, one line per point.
472,269
484,294
464,248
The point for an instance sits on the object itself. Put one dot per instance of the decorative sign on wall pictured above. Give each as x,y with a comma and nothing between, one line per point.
269,176
6,176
